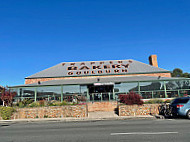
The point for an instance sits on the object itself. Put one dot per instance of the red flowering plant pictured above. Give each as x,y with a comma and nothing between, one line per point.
131,98
7,97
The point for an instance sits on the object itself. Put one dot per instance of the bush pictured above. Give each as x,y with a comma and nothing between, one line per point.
154,101
41,103
63,103
131,98
34,104
57,103
20,105
7,97
24,103
6,112
168,101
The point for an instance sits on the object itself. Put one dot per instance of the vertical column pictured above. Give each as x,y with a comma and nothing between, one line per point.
109,96
101,96
165,90
61,93
18,91
35,95
139,89
22,94
152,94
113,94
18,94
88,96
179,95
93,97
48,98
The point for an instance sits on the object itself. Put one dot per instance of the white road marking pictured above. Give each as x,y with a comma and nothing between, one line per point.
144,133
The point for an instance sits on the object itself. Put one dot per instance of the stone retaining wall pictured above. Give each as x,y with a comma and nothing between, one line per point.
51,112
132,110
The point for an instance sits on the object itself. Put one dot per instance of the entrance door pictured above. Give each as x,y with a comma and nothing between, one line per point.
100,92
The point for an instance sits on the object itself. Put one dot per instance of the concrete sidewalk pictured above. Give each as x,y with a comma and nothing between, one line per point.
71,119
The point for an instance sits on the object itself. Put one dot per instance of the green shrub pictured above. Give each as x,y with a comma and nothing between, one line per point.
168,101
24,103
41,103
63,103
57,103
34,104
6,112
45,116
20,105
27,101
154,101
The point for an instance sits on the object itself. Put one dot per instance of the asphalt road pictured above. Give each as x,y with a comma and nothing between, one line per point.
137,130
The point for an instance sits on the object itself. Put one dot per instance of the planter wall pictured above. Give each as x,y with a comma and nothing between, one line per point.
51,112
132,110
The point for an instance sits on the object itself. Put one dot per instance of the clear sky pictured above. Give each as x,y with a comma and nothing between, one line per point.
37,34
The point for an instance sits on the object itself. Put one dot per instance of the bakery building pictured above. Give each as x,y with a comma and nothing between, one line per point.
102,81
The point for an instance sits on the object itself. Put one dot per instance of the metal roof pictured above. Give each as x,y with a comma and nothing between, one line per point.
87,69
91,80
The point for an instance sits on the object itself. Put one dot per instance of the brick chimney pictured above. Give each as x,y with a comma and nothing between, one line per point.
153,60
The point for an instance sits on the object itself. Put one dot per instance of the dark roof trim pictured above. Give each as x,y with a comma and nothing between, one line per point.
175,79
102,75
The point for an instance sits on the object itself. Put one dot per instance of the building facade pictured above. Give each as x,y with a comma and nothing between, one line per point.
102,81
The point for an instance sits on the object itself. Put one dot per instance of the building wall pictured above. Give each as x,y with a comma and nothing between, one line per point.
35,80
102,106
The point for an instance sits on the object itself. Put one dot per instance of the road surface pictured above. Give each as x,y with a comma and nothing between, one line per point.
133,130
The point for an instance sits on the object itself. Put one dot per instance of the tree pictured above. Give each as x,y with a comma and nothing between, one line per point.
186,75
7,97
177,73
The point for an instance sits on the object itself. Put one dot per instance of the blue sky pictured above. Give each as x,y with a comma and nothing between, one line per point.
38,34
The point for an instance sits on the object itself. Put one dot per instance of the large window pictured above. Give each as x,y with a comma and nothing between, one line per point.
71,92
26,93
126,87
181,84
151,86
49,93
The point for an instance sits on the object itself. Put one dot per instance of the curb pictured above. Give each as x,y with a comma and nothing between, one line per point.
71,119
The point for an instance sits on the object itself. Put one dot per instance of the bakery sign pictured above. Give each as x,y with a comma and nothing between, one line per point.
97,68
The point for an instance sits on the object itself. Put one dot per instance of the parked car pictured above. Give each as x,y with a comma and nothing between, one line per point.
181,107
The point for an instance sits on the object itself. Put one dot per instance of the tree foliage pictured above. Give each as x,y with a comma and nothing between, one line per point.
131,98
7,97
177,72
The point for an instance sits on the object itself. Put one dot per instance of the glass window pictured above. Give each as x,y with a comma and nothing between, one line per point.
159,94
71,92
181,84
150,86
83,89
71,89
49,93
26,93
125,87
147,95
172,94
180,100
